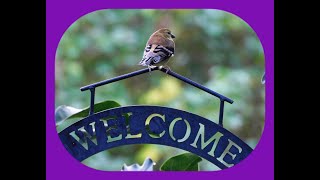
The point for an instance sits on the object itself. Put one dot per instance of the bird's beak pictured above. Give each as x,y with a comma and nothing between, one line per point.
173,36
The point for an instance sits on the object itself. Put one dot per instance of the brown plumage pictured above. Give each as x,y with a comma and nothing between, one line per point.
159,48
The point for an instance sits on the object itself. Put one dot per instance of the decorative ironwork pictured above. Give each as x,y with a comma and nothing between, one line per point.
92,87
154,125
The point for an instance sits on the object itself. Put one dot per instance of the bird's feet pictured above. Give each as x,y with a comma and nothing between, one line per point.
165,67
150,68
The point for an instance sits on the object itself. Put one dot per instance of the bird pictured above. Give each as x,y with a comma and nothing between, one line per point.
159,48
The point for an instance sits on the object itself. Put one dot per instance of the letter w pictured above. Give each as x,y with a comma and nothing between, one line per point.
84,137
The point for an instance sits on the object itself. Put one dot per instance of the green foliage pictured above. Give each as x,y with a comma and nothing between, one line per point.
214,48
182,162
67,115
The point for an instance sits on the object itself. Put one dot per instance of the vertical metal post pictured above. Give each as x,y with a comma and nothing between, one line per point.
92,91
221,112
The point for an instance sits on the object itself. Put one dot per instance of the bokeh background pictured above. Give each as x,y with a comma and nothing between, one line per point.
214,48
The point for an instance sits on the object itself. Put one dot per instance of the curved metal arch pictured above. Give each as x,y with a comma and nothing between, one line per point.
154,125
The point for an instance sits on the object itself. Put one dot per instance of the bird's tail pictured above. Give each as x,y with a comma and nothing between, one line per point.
145,61
142,62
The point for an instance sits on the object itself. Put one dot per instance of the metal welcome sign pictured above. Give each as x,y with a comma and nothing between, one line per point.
154,125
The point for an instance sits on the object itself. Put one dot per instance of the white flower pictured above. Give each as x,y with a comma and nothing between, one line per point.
146,166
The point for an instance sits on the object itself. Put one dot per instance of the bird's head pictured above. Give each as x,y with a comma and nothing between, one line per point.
165,32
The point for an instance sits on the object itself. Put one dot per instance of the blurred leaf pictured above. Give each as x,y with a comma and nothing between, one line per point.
182,162
67,115
148,149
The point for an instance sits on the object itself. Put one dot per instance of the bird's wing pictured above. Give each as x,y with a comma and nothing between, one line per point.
169,50
154,54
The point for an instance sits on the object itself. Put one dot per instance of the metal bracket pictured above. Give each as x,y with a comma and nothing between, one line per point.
92,87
